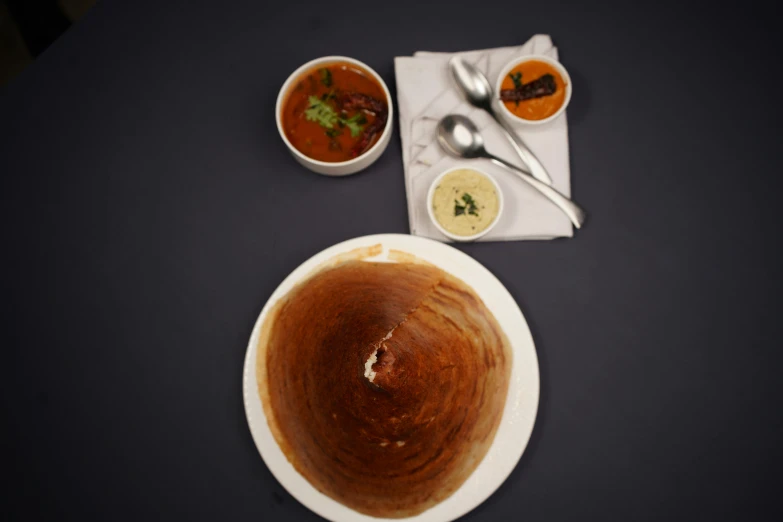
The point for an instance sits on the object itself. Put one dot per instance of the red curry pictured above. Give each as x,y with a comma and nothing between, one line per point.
335,112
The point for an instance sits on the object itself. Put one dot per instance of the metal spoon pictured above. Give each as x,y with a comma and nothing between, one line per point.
478,92
460,137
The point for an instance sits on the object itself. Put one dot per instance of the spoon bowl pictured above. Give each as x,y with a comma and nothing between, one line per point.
473,84
460,137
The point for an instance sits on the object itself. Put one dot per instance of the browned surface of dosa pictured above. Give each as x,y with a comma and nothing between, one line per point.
401,444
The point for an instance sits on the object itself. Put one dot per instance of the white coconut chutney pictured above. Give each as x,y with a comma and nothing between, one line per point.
465,202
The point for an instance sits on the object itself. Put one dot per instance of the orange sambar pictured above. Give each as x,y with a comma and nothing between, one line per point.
535,108
312,139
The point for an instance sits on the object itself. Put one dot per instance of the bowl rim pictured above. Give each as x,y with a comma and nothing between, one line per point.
542,58
282,95
451,235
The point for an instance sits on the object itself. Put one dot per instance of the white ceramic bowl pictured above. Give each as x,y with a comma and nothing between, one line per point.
341,168
450,235
541,58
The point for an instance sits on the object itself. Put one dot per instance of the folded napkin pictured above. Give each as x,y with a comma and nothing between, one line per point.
425,94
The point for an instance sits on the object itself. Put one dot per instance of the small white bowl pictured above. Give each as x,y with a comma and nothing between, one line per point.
340,168
450,235
540,58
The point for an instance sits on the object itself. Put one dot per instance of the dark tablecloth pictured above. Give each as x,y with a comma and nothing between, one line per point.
149,209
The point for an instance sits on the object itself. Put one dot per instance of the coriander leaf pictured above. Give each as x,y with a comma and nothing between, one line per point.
326,76
458,209
355,129
517,79
333,133
355,123
321,113
470,204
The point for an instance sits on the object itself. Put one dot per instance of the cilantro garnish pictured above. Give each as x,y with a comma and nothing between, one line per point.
470,206
517,79
355,123
326,77
321,112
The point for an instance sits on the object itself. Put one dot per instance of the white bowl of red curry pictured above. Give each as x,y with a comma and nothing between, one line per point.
335,115
533,89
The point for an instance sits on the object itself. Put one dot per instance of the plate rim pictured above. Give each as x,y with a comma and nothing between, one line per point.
517,422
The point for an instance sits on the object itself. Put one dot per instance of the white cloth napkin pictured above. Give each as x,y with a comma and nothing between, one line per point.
425,94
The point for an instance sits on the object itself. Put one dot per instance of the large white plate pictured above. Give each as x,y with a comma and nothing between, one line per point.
519,414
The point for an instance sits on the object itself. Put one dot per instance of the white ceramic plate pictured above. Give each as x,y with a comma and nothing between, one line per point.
519,414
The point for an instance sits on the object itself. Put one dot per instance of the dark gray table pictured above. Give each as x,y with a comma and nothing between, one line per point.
149,209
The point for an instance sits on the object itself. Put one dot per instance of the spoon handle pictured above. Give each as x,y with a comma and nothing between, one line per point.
536,168
571,209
